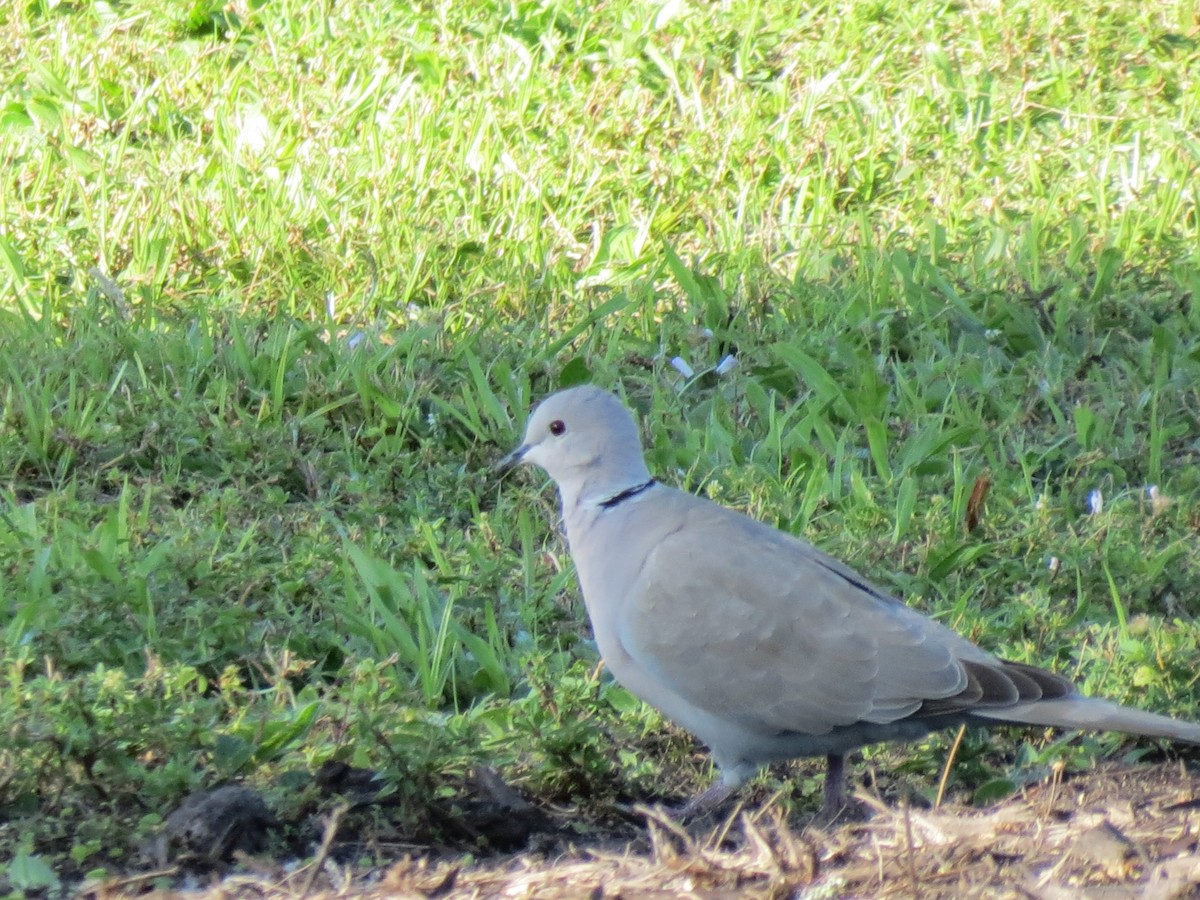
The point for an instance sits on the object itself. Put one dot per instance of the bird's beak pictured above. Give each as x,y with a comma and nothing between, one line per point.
511,461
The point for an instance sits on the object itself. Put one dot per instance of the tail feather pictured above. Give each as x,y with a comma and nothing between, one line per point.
1094,714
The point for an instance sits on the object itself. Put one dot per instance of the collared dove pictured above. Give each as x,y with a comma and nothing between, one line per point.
758,643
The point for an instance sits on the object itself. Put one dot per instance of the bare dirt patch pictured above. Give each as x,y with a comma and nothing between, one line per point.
1116,832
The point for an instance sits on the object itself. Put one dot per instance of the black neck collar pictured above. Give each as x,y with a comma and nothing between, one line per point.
627,494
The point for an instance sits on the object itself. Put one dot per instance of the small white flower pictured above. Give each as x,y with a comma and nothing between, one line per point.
728,364
681,366
253,132
1095,502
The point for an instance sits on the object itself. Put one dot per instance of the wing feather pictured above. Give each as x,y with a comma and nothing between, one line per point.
809,645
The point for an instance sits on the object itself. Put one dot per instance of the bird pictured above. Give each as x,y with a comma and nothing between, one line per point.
755,641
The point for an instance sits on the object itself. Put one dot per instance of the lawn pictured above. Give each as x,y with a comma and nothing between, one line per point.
281,280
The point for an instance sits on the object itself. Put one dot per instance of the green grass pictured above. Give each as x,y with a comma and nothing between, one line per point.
281,280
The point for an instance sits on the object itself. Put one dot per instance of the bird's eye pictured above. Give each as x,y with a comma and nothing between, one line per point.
558,427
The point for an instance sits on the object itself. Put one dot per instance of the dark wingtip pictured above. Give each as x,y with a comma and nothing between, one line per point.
998,686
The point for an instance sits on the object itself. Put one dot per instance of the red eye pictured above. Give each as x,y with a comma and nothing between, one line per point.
557,427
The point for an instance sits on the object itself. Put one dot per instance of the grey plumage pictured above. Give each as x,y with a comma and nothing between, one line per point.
761,645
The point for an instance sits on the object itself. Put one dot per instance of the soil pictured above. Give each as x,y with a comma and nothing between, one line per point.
1115,832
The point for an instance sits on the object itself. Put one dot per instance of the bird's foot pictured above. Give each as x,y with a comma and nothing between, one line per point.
836,807
703,803
706,801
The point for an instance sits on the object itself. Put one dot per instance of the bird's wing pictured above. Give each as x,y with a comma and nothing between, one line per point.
761,629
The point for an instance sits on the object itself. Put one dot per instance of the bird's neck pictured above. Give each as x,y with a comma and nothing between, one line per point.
587,497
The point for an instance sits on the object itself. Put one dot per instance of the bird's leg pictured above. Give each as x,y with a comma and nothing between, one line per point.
835,787
832,807
705,800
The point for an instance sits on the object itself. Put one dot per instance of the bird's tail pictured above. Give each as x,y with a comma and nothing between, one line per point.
1094,714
